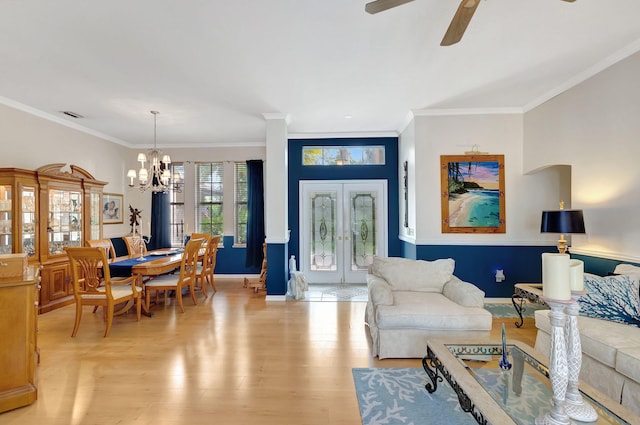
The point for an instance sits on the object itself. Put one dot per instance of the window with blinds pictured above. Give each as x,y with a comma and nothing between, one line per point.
209,197
241,212
176,206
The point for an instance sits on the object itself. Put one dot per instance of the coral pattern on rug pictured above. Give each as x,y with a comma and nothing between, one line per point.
390,396
506,310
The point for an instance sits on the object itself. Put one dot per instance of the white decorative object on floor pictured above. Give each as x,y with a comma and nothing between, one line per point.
558,366
297,285
292,264
575,406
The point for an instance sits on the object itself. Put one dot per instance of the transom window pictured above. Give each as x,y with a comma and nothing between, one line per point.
343,155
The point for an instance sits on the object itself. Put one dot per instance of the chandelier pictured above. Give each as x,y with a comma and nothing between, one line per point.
158,177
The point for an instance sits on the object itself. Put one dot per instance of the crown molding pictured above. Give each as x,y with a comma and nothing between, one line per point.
609,61
61,121
465,111
345,135
277,116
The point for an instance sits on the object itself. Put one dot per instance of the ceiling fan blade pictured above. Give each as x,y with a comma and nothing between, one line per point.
381,5
460,22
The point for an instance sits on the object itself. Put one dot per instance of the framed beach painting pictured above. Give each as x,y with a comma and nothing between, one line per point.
112,208
472,190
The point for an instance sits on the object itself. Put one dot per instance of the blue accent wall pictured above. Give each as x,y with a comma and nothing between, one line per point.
521,264
478,264
599,266
388,172
277,269
231,260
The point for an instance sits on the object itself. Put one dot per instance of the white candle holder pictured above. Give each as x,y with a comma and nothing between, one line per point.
575,406
558,365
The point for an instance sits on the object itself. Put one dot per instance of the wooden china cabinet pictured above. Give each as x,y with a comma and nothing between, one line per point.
44,211
69,215
18,212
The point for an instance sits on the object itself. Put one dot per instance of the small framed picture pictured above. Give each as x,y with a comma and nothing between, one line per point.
112,212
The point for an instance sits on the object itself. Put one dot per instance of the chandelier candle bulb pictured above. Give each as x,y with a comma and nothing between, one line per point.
556,276
576,268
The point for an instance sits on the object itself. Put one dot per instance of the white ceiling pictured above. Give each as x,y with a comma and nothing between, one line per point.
213,67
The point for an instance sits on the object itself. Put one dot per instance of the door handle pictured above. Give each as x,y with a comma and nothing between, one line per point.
339,238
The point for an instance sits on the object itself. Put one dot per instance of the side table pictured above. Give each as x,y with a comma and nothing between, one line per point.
531,292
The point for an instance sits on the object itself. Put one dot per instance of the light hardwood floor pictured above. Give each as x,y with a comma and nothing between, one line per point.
232,359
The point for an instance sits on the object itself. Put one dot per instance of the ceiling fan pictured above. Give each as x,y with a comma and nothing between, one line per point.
458,24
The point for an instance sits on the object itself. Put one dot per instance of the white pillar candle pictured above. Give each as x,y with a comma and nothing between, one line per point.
576,268
555,276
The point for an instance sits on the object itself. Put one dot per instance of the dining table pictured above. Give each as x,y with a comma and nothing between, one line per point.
151,264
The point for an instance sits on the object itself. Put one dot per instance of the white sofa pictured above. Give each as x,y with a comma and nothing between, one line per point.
413,300
610,349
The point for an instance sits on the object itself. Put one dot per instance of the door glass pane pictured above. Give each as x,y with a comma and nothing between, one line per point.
363,229
323,231
29,221
6,222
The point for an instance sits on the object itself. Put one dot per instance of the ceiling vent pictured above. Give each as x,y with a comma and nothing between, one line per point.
72,114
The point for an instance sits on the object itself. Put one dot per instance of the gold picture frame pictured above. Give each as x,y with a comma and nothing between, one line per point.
112,212
473,194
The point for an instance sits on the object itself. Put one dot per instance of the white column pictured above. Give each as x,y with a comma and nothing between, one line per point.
276,187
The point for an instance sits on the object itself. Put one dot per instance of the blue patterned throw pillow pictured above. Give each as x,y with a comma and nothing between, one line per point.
612,298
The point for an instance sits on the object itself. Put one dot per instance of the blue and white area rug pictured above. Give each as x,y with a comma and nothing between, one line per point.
506,310
391,396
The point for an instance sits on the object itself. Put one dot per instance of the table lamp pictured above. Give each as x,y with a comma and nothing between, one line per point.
562,221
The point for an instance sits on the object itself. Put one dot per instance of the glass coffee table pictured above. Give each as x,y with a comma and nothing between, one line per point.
516,396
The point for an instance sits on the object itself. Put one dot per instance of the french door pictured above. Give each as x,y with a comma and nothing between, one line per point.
343,224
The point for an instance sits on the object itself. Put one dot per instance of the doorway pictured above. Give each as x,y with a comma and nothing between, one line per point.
342,226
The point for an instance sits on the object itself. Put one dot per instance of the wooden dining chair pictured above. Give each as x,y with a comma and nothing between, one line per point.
92,285
202,257
171,282
109,249
261,282
204,274
133,246
105,244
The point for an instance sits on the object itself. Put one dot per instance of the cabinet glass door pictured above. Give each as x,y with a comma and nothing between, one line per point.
6,220
65,220
29,227
95,216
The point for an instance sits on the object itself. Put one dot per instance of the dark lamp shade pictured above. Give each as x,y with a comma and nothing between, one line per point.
562,221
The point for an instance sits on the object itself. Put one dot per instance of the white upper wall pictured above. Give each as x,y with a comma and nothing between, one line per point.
500,133
594,127
28,141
